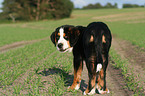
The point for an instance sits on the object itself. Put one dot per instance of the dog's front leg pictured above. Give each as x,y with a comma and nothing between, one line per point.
78,66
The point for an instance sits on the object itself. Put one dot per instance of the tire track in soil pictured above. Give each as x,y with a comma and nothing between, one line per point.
14,45
115,81
22,79
135,57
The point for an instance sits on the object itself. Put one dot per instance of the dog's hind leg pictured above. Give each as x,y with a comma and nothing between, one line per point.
101,80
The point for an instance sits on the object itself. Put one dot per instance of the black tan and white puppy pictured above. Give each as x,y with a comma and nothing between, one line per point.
90,44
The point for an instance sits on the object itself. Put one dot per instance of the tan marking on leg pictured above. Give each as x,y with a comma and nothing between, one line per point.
100,80
91,39
93,81
77,79
87,91
100,83
92,91
103,39
74,81
93,78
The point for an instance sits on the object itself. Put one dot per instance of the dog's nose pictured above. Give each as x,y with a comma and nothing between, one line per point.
60,45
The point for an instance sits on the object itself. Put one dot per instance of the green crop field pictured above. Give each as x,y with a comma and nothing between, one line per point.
125,23
26,70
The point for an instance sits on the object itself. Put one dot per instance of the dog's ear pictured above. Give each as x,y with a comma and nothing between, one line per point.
81,28
53,38
74,35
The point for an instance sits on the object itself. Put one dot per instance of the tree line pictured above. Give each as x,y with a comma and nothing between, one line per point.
132,5
36,9
99,6
30,10
109,5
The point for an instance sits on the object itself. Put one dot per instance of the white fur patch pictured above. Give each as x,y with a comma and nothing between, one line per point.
70,49
77,87
101,91
92,91
108,91
99,67
84,93
63,41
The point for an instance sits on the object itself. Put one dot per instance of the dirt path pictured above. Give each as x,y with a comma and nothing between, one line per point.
115,81
18,44
135,57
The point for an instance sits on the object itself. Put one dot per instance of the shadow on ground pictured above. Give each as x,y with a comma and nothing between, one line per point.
68,78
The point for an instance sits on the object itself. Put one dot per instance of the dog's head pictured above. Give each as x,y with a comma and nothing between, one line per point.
65,37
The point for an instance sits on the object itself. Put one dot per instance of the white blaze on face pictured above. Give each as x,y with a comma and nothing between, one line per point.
62,40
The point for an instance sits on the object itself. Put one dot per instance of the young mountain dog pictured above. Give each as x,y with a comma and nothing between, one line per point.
90,44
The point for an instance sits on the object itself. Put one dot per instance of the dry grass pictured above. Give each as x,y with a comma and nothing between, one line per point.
122,17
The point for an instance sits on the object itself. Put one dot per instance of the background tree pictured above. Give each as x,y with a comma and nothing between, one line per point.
93,6
131,6
98,6
36,9
109,5
61,8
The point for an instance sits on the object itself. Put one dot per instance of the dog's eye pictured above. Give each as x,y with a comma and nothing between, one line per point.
57,37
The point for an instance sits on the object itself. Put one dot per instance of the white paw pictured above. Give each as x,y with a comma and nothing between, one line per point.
99,67
92,92
77,87
101,91
108,91
84,93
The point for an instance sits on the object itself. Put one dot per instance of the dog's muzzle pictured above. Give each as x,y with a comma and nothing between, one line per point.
60,47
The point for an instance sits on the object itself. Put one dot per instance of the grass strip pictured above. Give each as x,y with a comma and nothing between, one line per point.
122,64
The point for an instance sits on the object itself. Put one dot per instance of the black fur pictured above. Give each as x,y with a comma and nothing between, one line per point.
93,53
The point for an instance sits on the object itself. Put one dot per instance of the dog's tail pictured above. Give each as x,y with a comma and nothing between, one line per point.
97,35
99,32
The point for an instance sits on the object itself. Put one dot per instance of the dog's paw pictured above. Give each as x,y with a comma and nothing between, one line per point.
90,93
77,87
102,91
84,93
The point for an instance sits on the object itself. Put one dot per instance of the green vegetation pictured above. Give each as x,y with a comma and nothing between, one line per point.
132,6
124,23
10,34
130,32
31,66
99,6
35,9
38,69
123,65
